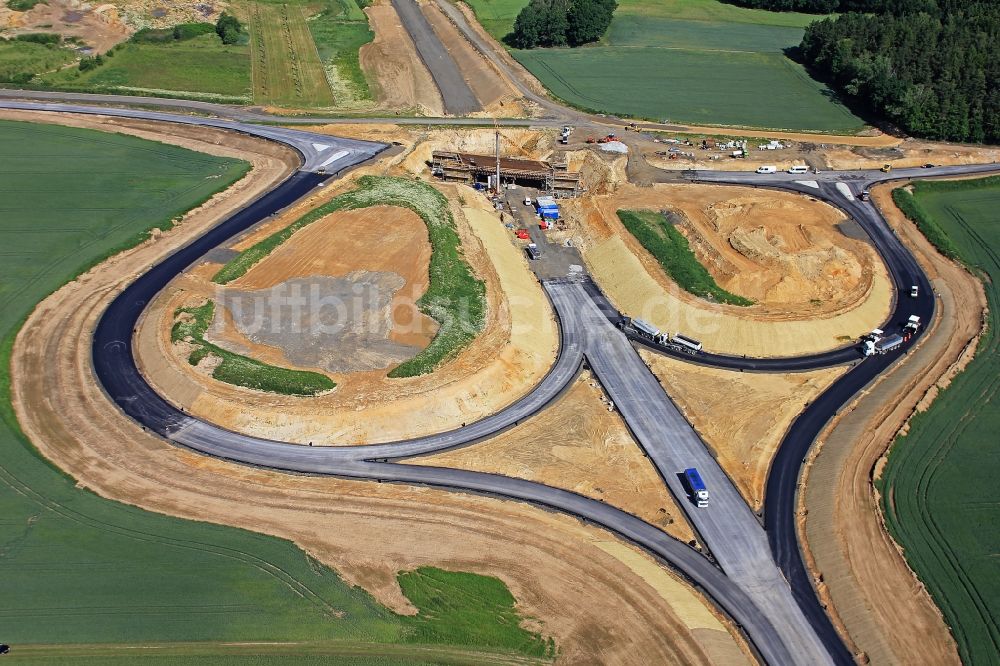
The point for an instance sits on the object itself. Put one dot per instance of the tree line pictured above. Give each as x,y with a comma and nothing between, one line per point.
561,23
831,6
931,67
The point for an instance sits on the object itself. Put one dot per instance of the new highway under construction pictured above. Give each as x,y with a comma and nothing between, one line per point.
752,569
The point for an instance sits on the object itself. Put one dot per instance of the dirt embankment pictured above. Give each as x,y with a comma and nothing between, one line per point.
366,531
743,417
505,361
401,80
494,92
578,445
879,602
816,288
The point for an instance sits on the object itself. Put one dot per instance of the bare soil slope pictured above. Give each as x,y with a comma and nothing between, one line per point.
741,416
504,362
391,62
816,288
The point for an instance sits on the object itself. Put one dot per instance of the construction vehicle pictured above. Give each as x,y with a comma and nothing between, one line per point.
911,326
642,327
699,493
883,345
886,168
685,344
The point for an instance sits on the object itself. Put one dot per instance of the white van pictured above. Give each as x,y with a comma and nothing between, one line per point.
767,169
798,169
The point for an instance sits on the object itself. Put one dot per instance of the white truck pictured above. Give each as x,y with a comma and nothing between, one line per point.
644,328
887,344
767,169
686,344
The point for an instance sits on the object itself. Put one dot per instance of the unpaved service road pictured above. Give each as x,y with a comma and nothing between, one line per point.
456,93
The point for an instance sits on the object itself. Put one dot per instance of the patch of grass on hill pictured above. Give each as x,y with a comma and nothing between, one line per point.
200,66
23,60
455,606
671,249
928,225
938,491
455,298
24,5
190,326
339,32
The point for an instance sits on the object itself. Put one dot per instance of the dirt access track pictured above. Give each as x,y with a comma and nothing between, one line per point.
815,287
367,531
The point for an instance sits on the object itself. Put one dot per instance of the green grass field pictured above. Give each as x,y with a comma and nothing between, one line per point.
21,60
455,298
88,579
939,490
202,67
692,61
670,247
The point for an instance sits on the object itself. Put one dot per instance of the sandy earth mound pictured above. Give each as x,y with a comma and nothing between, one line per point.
513,353
98,25
816,288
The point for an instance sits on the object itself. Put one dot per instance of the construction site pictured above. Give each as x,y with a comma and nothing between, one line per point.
495,172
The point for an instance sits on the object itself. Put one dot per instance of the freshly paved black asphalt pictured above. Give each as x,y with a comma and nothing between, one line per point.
116,369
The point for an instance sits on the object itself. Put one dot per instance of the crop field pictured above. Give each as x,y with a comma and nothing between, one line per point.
287,70
202,67
700,61
939,489
90,579
455,298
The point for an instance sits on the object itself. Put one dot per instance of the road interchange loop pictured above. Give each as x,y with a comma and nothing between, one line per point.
784,622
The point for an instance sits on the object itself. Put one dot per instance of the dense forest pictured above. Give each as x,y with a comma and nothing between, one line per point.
931,68
561,23
831,6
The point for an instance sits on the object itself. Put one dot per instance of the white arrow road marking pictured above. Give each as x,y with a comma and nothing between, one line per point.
808,183
845,190
320,147
336,156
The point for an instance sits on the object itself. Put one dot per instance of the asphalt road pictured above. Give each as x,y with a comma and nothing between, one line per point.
320,153
456,94
752,589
